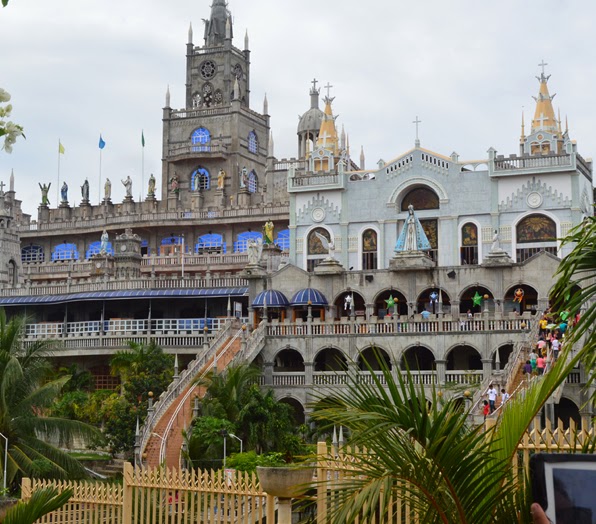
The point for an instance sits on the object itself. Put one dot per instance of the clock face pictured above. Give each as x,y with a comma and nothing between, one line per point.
208,69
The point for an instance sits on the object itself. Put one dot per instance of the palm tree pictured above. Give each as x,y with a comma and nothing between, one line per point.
25,396
41,503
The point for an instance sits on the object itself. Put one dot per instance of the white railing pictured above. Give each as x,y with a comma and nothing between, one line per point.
195,260
254,342
288,379
472,377
178,385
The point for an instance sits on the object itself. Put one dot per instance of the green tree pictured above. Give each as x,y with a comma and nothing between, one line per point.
25,399
41,503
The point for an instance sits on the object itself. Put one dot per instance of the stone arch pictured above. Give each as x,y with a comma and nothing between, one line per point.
522,250
297,409
411,183
470,252
567,410
421,197
463,357
356,302
529,299
369,248
401,307
314,251
466,301
505,351
418,358
288,360
431,304
330,359
368,354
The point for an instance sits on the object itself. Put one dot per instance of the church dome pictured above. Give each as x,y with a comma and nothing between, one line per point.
311,120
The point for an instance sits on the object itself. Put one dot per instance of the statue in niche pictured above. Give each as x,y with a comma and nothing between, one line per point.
64,192
45,188
411,242
254,250
244,177
103,247
174,183
221,179
495,247
107,189
151,188
268,232
127,183
85,190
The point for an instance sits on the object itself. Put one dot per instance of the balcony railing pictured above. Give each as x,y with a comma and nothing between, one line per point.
532,162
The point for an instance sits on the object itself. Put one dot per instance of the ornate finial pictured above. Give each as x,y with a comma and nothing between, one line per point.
246,40
416,122
168,96
328,87
228,28
523,127
265,105
190,33
559,120
314,90
566,126
11,181
362,162
271,145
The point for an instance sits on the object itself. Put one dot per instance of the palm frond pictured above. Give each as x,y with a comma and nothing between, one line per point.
42,502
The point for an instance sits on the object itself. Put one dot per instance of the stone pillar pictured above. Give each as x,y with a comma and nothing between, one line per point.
487,368
370,311
308,376
455,308
243,198
441,366
268,373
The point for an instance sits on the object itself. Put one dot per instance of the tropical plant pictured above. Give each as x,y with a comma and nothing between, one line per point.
422,447
41,503
25,398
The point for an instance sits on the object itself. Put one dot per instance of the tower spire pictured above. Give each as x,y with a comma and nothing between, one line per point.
246,40
265,105
168,96
544,115
11,181
362,159
216,27
190,33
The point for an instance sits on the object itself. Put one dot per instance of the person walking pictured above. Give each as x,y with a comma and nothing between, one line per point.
504,396
556,345
540,364
485,409
492,397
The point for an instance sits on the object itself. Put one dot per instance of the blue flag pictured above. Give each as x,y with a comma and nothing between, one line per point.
102,143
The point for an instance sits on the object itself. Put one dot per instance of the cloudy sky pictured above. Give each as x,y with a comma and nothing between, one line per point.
76,68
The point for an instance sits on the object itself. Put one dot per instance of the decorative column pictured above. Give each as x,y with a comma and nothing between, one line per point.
308,376
487,368
441,367
268,373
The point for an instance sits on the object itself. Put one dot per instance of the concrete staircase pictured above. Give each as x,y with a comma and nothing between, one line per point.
165,441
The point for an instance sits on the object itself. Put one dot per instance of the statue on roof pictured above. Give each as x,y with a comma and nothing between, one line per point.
127,183
85,190
64,192
151,188
412,238
107,190
45,188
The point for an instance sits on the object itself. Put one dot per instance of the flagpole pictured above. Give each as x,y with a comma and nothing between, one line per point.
100,175
58,184
142,165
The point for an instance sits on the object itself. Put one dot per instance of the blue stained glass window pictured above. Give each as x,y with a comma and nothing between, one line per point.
95,247
241,245
253,182
200,180
172,240
253,142
65,252
32,253
283,239
212,242
201,139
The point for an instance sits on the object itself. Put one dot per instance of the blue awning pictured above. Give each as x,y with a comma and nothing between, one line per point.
271,298
302,297
115,295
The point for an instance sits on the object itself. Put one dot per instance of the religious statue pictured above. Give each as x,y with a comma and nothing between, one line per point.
127,183
244,177
495,245
412,238
103,247
174,183
348,303
268,232
45,201
411,243
254,249
107,190
329,246
221,179
85,190
64,192
151,188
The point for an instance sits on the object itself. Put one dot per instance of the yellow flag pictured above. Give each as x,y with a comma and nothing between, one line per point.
60,148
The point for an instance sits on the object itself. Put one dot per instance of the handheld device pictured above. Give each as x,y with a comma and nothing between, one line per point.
564,484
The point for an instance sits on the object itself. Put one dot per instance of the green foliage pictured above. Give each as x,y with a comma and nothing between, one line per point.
119,418
42,502
205,446
80,379
72,405
25,401
248,462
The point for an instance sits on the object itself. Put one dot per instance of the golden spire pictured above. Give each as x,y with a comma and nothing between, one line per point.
328,133
544,116
523,128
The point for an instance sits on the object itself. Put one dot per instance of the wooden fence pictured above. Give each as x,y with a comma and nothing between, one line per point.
156,496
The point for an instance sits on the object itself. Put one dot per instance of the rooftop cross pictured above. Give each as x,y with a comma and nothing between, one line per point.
314,84
2,184
325,136
328,87
416,122
542,119
542,64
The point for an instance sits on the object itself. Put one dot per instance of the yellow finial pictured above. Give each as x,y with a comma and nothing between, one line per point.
544,116
559,120
328,133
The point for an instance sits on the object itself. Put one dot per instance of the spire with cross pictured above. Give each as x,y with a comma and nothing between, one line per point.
416,122
314,89
328,87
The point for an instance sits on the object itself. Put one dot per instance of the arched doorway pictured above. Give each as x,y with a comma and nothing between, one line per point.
567,410
423,198
504,352
349,303
369,355
317,247
330,359
297,409
431,298
464,358
466,302
418,358
288,361
535,233
521,298
382,307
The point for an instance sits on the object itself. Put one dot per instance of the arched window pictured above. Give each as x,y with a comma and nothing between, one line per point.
200,180
369,249
241,245
253,182
13,276
145,249
316,250
32,253
201,139
420,198
253,142
283,239
535,233
172,245
65,252
211,243
469,244
95,248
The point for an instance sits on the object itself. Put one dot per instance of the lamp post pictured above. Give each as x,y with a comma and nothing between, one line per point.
224,434
238,439
5,461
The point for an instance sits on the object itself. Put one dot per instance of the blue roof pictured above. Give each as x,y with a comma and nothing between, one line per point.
302,297
114,295
272,298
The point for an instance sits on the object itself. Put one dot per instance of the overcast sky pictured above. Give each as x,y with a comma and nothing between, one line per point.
76,68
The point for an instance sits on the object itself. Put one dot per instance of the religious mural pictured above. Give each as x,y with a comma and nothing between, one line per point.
369,240
536,228
420,198
432,232
469,235
315,246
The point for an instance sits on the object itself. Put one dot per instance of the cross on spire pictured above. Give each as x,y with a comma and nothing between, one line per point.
542,64
328,87
542,119
314,84
325,136
2,184
416,122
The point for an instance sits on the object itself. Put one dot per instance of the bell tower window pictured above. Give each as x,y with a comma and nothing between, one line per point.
201,140
253,142
253,182
200,180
